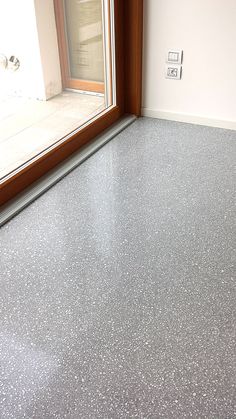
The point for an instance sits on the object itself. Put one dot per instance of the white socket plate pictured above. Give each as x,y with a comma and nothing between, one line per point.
173,72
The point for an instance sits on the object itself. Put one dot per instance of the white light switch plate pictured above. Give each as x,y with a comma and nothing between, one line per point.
173,72
174,56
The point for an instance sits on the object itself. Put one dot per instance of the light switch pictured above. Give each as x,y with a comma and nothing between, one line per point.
174,56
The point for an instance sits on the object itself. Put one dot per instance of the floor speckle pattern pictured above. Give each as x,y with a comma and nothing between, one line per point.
118,295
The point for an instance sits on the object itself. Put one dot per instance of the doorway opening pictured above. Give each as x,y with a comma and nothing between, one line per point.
56,73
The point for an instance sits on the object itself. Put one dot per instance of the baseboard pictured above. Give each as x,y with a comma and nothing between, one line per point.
17,204
188,118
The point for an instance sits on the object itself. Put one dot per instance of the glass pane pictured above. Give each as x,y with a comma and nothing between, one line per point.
85,39
56,73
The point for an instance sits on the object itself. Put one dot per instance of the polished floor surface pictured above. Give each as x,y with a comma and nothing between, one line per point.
118,296
28,127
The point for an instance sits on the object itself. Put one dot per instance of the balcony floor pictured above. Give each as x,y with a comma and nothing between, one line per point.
27,127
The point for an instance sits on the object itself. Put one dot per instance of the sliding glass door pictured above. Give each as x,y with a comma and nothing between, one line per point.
77,66
72,90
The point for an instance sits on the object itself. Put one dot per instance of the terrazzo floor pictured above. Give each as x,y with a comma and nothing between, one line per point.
118,295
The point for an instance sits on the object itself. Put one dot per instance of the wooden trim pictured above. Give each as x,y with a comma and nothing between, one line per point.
119,53
133,60
62,44
91,86
128,37
110,55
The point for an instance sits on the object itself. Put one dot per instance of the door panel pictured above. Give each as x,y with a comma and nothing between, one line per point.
80,26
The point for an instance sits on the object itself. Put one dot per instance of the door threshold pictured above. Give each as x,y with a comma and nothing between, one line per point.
84,92
22,200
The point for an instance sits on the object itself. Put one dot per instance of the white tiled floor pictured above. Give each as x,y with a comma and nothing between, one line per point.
27,127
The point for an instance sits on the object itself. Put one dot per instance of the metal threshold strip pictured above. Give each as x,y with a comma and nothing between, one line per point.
22,200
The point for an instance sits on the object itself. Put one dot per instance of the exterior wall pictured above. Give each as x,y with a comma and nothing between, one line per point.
34,42
47,36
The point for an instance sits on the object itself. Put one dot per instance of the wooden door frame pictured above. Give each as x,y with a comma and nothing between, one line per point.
67,81
128,50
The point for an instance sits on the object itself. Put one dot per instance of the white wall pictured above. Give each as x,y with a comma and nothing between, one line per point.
32,39
18,36
48,45
206,31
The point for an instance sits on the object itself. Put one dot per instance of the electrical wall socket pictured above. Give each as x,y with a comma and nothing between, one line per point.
173,72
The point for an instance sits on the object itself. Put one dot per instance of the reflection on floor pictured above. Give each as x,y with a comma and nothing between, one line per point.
117,285
27,127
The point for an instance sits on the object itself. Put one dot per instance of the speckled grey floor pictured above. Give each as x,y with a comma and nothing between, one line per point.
117,286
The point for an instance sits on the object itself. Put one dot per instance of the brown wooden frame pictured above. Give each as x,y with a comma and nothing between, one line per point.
128,39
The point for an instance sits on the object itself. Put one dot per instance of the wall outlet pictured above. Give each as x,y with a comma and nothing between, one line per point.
173,72
174,56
